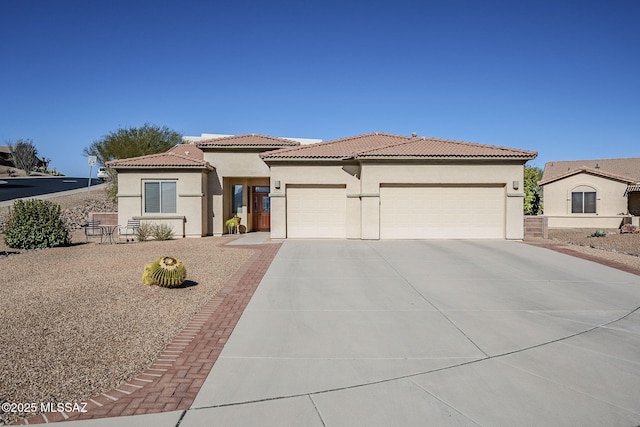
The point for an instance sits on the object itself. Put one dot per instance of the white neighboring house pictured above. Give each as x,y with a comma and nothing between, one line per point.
207,136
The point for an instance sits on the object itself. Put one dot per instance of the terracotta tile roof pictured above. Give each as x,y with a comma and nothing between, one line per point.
163,160
382,145
187,150
247,141
627,169
590,171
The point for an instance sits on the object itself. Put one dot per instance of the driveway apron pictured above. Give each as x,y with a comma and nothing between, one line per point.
343,333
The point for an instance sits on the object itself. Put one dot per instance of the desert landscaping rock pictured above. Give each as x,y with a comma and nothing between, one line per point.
621,248
614,241
77,321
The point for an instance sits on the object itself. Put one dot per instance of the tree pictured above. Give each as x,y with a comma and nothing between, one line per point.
130,142
532,200
24,155
133,142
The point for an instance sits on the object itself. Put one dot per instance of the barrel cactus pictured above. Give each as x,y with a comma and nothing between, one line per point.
165,271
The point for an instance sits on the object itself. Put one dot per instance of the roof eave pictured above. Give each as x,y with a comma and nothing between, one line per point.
304,159
589,172
363,157
209,167
409,157
243,146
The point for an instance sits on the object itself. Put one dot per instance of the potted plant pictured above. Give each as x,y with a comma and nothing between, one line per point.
233,224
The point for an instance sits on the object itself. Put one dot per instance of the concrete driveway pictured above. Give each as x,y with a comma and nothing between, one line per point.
415,333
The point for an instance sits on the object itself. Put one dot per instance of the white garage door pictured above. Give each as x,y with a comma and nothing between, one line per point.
317,212
442,212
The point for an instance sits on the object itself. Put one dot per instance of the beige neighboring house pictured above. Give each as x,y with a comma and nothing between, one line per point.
600,193
373,186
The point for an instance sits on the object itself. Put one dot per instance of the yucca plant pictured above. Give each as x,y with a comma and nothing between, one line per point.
167,272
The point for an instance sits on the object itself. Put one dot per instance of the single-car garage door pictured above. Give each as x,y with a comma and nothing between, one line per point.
316,212
442,212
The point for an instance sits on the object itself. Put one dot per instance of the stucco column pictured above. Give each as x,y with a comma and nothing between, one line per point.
218,216
370,216
514,222
278,215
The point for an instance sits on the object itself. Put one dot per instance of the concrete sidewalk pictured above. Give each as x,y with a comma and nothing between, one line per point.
491,333
253,238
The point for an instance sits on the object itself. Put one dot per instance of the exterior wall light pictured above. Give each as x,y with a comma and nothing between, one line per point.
277,185
516,185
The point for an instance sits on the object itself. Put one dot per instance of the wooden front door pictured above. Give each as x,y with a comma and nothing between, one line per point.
261,211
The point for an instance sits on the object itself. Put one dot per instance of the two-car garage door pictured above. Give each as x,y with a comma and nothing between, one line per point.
444,212
406,212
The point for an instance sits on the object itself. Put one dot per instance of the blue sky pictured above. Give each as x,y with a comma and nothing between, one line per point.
556,76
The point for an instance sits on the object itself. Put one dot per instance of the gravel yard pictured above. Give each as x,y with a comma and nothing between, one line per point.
623,248
77,321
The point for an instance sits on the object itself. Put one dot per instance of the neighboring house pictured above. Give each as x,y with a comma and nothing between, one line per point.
373,186
601,193
208,136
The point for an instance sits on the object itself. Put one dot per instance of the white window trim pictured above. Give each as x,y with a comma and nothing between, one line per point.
583,189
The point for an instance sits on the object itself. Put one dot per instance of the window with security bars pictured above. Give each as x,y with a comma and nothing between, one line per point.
583,202
160,197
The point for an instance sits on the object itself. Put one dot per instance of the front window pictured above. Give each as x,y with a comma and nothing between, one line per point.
160,197
237,199
583,202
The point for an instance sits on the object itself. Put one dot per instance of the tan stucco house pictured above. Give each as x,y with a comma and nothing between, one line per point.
600,193
372,186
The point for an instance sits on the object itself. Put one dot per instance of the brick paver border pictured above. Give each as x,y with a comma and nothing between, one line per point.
175,377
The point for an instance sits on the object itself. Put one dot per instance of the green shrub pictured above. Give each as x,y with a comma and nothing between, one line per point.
36,224
162,231
599,233
165,271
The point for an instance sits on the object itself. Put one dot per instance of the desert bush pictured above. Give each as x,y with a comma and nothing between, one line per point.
162,231
145,231
36,224
165,271
599,233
